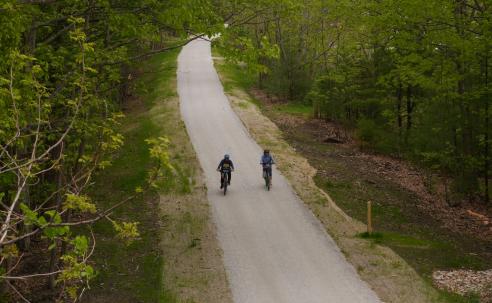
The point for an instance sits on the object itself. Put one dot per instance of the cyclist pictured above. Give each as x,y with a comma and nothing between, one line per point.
225,165
267,162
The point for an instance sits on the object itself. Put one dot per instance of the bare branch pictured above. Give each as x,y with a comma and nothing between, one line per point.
25,277
151,53
17,292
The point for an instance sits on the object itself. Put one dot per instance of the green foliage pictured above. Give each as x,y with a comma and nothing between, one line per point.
44,221
367,132
126,176
80,203
75,270
159,151
58,231
419,70
164,171
245,51
126,231
81,245
66,68
9,251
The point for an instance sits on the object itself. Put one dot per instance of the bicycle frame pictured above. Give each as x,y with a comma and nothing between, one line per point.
224,174
266,176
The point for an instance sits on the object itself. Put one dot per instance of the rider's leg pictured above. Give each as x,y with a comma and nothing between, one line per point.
221,180
229,175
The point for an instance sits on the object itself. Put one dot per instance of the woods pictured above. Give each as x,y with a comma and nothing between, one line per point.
410,78
65,72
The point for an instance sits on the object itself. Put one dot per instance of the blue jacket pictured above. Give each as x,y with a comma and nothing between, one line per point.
266,159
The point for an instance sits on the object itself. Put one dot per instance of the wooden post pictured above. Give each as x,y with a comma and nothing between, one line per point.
369,218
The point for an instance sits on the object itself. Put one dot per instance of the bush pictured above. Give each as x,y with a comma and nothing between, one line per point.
367,132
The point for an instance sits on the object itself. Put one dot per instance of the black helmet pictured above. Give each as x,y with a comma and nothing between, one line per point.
267,151
226,156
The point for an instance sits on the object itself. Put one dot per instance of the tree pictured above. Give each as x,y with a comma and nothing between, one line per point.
63,69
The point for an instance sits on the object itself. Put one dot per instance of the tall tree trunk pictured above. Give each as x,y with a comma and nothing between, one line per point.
26,228
54,252
323,45
409,112
260,61
486,147
399,96
25,198
468,174
409,107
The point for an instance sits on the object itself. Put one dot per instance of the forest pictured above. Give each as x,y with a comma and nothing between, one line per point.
65,72
409,78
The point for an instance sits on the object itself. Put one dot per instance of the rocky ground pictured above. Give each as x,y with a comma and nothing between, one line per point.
466,282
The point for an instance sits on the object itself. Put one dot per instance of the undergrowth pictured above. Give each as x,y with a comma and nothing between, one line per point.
135,273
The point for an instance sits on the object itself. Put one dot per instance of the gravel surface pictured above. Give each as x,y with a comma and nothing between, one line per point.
465,282
275,250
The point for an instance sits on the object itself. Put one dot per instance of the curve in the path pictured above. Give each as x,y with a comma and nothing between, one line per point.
275,250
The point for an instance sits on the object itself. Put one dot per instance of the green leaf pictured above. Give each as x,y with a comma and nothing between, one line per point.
81,245
79,202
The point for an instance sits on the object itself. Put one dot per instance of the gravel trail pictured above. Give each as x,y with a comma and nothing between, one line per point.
275,250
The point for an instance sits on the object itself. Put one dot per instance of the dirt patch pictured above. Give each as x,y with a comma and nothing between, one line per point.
468,218
397,187
323,131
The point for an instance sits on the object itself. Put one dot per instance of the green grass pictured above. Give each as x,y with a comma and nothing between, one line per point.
395,239
413,235
294,109
238,76
234,76
454,298
134,273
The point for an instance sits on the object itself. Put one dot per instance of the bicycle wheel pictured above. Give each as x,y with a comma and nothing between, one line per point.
226,182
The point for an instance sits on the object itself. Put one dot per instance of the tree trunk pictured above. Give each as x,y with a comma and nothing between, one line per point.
258,45
409,107
486,147
399,96
26,228
54,251
323,44
409,112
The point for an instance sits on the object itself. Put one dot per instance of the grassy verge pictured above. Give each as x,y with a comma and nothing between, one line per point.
387,273
177,258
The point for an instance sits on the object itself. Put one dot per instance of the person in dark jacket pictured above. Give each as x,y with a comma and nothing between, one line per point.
227,166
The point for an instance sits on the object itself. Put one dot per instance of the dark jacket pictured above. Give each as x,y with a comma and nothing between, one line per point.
225,164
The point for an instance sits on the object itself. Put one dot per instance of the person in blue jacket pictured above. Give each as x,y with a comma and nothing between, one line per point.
267,162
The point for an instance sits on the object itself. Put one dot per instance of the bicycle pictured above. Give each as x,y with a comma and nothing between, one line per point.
267,176
224,175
